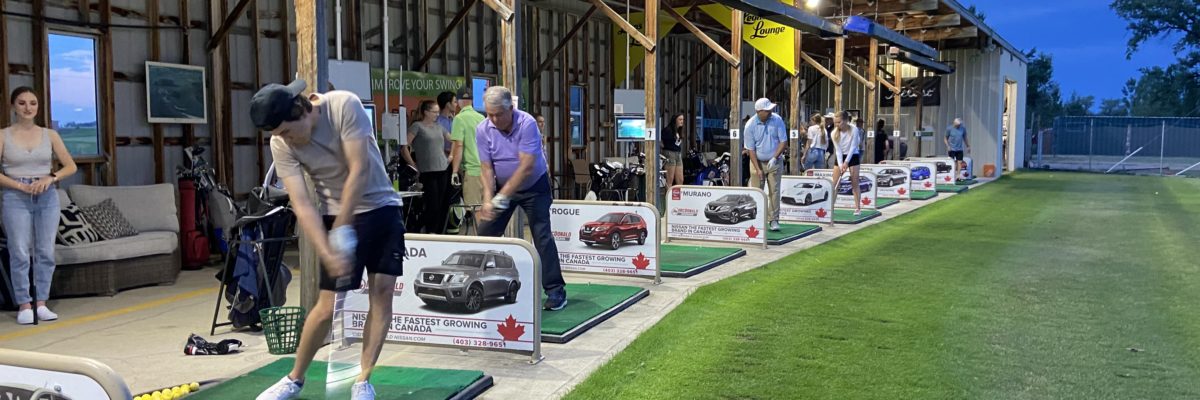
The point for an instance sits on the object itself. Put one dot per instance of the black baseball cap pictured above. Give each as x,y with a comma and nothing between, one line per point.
273,104
464,92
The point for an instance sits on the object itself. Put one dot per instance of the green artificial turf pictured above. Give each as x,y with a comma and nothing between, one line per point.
923,194
677,258
848,217
584,302
1042,286
790,232
952,188
389,382
884,202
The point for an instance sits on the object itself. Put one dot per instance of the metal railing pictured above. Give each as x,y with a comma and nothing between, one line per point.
1129,145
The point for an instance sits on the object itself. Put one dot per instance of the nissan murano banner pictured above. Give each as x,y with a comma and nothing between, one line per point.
468,292
806,199
947,169
891,181
717,213
921,174
606,237
845,192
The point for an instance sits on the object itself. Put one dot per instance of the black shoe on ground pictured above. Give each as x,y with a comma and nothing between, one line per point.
556,300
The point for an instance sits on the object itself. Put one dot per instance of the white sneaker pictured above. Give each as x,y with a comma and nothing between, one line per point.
44,314
25,317
362,391
775,226
285,389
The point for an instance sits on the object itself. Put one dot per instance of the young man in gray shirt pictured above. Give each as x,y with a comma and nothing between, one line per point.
330,137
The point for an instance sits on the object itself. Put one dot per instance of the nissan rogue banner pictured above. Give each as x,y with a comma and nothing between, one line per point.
921,174
845,193
806,199
717,213
459,291
606,237
892,181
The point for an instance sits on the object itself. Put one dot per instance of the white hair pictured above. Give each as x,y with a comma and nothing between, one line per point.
958,121
498,96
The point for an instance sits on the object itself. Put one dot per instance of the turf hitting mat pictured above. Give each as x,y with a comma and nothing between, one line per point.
389,382
848,217
952,188
683,261
923,194
882,202
587,306
790,232
966,182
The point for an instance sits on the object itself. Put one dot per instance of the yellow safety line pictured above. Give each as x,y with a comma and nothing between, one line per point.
49,326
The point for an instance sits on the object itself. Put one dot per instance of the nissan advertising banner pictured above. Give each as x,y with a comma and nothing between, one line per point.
806,199
606,238
717,213
921,174
467,292
892,181
845,193
947,169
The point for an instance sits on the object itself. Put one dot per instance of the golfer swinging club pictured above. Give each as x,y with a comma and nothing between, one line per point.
330,137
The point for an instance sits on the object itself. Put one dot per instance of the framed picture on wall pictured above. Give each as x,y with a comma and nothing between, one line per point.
175,94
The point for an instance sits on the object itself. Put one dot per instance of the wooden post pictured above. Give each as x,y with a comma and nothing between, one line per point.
4,115
896,104
799,121
508,56
256,32
108,114
185,22
152,13
41,66
839,56
651,89
312,66
735,100
920,103
872,98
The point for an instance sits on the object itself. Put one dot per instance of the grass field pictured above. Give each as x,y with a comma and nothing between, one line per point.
1039,286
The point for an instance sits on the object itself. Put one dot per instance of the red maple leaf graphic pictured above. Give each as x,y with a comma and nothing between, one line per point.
510,330
866,201
928,184
821,212
641,262
901,191
752,232
947,178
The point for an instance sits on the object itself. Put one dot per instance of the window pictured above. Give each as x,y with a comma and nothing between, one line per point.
479,85
73,108
576,122
504,262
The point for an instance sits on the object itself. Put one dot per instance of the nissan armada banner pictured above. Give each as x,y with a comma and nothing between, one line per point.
717,213
845,192
806,199
921,175
459,291
606,237
892,181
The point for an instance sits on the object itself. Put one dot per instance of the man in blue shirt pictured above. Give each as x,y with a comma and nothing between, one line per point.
956,140
765,139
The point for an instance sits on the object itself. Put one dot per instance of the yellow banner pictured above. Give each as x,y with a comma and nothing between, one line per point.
776,41
637,53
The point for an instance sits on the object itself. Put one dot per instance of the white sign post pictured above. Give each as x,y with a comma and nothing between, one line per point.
806,199
717,213
845,194
892,181
462,291
607,237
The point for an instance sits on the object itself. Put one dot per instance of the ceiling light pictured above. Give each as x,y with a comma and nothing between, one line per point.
812,3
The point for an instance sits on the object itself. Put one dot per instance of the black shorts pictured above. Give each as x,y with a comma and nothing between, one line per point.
956,155
380,247
855,160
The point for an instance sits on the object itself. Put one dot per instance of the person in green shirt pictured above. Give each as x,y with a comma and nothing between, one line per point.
464,155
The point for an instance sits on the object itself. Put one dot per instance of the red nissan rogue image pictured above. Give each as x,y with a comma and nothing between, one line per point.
613,229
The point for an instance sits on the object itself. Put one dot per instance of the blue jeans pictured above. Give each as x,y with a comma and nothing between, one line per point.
31,223
536,202
815,159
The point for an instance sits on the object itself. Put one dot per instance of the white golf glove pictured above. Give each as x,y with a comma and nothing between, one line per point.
455,180
501,202
771,164
343,240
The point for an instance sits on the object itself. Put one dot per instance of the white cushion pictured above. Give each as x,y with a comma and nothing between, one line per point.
141,245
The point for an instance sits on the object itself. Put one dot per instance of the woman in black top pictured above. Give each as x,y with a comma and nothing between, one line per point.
672,138
883,146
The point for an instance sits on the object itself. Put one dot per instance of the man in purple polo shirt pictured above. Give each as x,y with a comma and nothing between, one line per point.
514,174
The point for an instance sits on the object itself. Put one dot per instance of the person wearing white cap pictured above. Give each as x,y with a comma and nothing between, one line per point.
766,137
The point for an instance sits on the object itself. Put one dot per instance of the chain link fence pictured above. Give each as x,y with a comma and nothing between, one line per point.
1128,145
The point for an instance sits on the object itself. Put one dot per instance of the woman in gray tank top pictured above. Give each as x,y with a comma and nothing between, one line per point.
426,138
30,202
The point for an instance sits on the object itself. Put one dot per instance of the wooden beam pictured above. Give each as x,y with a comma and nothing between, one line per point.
506,12
872,98
913,22
508,53
650,87
821,68
894,7
223,136
441,39
700,65
729,58
223,31
839,54
896,99
616,18
582,22
888,85
41,63
286,64
189,133
735,98
867,82
4,116
155,55
947,34
108,112
258,133
797,120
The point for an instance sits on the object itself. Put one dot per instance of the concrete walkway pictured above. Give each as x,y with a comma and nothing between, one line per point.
140,333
